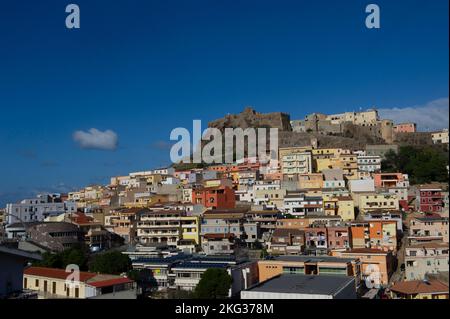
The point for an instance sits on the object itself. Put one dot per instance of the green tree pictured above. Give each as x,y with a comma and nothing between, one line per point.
389,164
75,255
144,280
214,284
51,260
423,164
113,262
264,253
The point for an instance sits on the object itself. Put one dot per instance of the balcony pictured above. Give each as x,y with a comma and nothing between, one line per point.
157,233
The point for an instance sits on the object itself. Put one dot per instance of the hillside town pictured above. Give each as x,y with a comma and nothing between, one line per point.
357,220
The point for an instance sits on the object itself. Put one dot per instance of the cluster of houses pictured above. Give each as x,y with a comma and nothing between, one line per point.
326,213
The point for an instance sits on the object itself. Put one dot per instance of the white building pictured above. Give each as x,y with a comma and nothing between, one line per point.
164,171
188,274
369,163
361,186
440,137
298,204
171,181
267,185
37,209
245,195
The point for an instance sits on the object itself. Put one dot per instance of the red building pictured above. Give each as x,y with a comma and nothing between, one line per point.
214,197
430,199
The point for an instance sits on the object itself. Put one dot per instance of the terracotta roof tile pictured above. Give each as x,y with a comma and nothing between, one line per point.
56,273
419,286
110,282
92,279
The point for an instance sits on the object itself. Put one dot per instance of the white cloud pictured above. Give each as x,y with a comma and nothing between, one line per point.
430,116
95,139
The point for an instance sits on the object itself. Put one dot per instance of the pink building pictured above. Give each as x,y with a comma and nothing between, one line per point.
338,237
427,228
405,128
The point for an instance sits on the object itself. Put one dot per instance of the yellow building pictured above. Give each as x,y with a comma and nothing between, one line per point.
328,152
270,197
296,162
222,182
349,165
346,208
119,180
292,150
154,179
377,201
145,200
329,158
342,206
321,164
310,181
330,205
190,228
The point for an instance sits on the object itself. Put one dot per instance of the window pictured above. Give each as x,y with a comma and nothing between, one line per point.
36,283
293,270
331,270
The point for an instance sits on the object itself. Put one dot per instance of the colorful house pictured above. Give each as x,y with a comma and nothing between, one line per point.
214,197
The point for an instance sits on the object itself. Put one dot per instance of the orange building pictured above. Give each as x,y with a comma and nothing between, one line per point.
308,265
376,265
387,180
378,234
360,236
214,197
383,235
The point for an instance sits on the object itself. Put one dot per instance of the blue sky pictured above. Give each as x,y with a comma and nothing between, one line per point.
142,68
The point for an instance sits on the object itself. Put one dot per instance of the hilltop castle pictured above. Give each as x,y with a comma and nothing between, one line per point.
348,124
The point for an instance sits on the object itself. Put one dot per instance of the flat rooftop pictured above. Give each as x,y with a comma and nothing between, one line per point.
304,284
312,259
